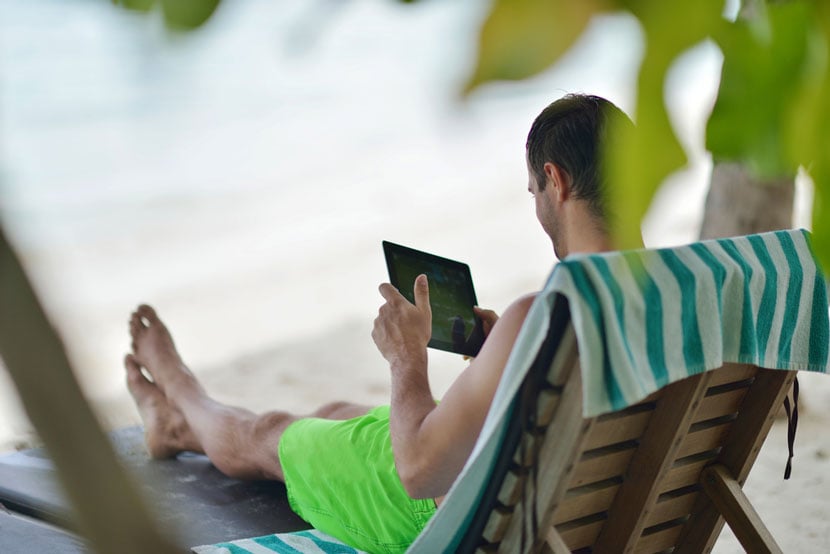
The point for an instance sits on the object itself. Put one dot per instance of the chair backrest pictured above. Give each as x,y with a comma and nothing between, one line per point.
623,422
656,476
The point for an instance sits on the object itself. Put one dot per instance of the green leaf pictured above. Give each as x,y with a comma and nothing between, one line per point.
188,14
808,136
137,5
520,38
764,64
642,157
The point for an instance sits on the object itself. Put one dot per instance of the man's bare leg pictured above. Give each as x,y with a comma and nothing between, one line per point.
239,442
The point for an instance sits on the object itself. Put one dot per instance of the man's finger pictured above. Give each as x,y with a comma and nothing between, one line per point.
421,290
388,292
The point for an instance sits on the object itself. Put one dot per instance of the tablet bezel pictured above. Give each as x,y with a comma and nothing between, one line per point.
431,260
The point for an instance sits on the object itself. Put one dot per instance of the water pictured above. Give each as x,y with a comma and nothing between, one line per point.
241,178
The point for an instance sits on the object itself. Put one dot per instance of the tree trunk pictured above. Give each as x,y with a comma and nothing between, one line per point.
740,204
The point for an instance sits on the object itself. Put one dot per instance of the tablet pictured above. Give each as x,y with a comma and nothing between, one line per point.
455,327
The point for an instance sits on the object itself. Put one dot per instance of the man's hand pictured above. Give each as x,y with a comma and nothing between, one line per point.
488,318
402,330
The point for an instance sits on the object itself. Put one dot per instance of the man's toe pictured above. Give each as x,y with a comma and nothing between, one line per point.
147,312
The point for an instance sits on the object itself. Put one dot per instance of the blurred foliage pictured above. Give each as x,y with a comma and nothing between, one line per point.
644,155
520,39
764,58
807,125
178,14
773,107
772,112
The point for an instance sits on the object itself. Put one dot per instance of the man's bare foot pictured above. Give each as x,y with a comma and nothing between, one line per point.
154,350
165,429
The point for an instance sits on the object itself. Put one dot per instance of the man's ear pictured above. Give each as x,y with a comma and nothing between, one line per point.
559,180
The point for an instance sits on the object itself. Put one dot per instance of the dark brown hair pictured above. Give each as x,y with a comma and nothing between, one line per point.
572,133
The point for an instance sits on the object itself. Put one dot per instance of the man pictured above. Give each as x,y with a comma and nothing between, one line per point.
373,477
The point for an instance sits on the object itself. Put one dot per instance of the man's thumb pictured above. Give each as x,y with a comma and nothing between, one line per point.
421,291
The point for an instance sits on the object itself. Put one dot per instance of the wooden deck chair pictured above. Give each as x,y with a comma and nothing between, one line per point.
659,476
639,393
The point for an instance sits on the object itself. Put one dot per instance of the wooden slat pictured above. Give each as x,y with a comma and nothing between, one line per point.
738,512
497,524
740,450
659,541
730,373
719,405
683,475
609,431
554,543
612,463
580,536
671,508
652,460
511,488
525,455
588,501
704,440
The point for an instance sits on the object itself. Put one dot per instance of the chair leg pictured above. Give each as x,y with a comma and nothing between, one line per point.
729,498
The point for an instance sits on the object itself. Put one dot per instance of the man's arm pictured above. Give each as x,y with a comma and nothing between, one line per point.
431,443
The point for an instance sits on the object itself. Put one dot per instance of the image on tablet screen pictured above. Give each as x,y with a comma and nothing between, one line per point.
454,324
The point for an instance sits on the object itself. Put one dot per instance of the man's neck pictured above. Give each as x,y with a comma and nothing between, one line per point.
584,244
583,234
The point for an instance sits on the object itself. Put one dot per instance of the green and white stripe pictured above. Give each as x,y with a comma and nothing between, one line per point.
309,542
645,318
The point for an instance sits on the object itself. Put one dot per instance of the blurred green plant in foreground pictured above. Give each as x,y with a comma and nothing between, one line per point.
772,112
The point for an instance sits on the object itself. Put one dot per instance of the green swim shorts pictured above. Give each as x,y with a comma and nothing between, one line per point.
341,478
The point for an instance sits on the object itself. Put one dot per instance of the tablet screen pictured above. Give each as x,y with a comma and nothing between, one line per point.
455,327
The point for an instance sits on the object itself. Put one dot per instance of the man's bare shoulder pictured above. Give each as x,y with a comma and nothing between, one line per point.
516,312
524,302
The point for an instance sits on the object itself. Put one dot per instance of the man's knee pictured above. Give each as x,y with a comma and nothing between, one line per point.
340,410
266,434
250,449
267,428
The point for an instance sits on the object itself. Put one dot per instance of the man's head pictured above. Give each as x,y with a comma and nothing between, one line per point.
565,149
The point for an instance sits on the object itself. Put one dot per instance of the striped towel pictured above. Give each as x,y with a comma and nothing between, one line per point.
289,543
643,319
646,318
